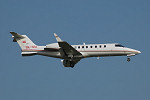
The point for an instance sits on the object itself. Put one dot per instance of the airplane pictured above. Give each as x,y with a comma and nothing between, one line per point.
71,54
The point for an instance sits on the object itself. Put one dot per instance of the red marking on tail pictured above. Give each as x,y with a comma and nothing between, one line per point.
27,47
24,41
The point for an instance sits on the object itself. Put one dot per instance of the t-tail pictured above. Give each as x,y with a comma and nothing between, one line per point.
25,44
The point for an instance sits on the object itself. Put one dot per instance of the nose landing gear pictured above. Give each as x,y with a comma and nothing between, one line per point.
128,59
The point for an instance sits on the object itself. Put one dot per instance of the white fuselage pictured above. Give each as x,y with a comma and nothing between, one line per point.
71,54
87,50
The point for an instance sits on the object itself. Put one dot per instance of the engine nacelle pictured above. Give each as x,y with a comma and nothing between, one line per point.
68,63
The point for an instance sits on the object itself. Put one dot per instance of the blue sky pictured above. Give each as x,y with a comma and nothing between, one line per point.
75,21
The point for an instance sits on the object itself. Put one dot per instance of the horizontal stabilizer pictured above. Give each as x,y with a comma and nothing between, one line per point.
16,35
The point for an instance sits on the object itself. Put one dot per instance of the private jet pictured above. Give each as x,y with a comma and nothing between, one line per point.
71,54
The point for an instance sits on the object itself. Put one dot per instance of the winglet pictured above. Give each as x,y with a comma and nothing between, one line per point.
57,38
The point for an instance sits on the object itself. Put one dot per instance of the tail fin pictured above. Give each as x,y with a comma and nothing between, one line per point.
23,41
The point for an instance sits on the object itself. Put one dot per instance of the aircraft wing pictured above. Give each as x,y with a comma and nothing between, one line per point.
66,50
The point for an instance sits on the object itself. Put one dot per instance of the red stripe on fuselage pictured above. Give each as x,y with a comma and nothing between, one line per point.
88,50
107,51
31,50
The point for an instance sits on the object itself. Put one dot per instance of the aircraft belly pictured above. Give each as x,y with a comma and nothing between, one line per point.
102,53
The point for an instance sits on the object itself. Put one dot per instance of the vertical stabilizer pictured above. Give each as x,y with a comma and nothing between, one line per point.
23,41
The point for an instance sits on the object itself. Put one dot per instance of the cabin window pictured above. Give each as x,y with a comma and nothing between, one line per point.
100,46
95,46
118,45
86,46
91,46
79,47
82,46
104,46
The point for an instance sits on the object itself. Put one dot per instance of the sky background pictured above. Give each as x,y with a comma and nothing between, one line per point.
75,21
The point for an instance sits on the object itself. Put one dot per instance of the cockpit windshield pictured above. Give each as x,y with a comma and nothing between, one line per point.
119,45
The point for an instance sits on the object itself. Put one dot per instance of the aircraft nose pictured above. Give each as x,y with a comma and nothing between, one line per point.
137,52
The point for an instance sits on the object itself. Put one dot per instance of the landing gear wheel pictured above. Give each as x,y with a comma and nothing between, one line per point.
72,64
128,59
